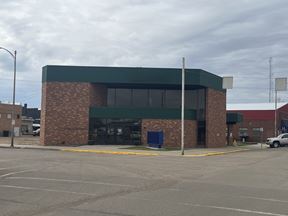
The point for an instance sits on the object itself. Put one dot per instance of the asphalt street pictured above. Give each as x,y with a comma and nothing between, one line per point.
46,183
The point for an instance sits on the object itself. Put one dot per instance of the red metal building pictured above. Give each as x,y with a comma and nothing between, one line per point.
259,120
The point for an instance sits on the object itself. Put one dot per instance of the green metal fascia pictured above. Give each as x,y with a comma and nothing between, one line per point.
164,77
142,113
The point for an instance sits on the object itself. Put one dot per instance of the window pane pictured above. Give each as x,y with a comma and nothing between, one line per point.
123,97
140,97
156,98
173,99
191,99
201,98
111,97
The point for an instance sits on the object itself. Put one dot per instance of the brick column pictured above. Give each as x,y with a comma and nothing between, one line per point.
65,113
98,95
215,118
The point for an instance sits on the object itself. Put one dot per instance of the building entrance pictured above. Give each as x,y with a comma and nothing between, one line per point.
115,131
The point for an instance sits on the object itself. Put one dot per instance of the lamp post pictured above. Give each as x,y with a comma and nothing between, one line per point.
183,106
14,85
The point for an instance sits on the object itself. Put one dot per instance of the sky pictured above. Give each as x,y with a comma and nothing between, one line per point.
224,37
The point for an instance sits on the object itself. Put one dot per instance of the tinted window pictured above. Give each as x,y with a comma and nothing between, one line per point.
140,97
123,97
172,98
191,99
156,98
111,97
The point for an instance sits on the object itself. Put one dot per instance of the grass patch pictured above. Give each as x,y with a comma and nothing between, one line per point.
146,148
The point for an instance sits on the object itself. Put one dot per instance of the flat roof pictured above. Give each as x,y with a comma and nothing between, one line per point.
254,106
127,76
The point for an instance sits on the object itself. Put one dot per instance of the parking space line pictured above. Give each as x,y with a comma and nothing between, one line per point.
14,173
44,189
70,181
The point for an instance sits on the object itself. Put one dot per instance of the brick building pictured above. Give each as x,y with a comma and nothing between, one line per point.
259,120
6,119
119,105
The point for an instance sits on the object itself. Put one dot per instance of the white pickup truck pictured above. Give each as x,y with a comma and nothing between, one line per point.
275,142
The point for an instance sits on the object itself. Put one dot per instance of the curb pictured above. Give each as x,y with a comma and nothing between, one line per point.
34,148
123,152
109,152
216,153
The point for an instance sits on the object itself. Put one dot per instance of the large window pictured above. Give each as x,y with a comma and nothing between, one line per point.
157,98
140,97
111,97
123,97
173,98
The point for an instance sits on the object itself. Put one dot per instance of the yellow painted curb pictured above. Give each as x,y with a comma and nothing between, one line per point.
215,153
109,152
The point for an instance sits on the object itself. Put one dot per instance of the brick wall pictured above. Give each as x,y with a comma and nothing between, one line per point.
5,123
215,118
98,95
172,131
65,111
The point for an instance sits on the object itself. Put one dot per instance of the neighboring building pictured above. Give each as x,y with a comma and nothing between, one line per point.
120,105
27,125
33,113
6,119
30,120
259,120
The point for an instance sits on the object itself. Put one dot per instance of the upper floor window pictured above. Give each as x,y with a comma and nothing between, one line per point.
140,98
123,97
161,98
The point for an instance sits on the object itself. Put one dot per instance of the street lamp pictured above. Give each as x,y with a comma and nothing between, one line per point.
14,85
182,106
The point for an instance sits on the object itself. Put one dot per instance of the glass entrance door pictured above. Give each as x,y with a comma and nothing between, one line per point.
115,131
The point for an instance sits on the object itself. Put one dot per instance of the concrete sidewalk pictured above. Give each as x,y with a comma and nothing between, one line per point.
124,150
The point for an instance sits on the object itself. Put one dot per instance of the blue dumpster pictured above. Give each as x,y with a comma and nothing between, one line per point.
155,139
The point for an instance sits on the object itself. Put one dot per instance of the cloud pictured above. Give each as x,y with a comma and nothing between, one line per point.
222,36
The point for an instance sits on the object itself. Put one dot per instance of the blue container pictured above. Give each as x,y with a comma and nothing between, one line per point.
155,139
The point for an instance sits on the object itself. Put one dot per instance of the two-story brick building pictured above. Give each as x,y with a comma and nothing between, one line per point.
119,105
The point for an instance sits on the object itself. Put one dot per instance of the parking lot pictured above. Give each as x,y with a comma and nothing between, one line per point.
46,183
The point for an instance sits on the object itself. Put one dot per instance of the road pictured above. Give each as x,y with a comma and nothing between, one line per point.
46,183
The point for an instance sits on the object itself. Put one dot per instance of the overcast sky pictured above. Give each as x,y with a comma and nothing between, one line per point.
224,37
